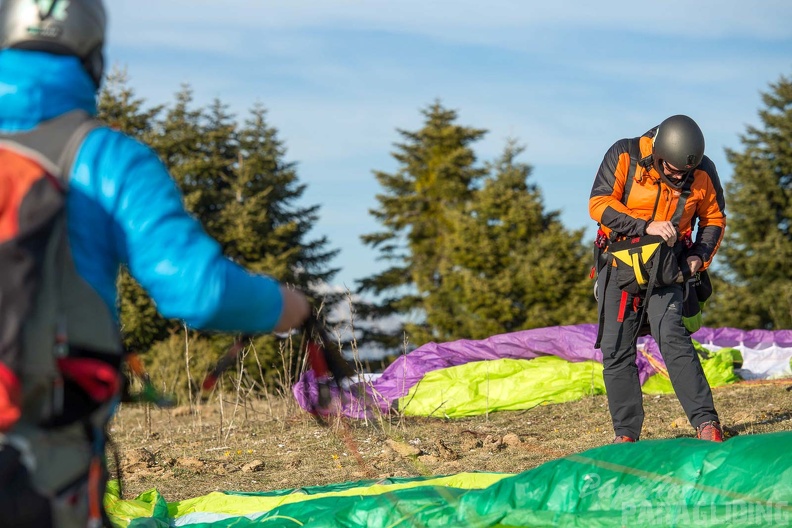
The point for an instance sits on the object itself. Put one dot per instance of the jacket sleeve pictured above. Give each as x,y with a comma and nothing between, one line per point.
169,253
605,205
711,212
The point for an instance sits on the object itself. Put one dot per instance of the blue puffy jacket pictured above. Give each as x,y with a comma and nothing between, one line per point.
124,208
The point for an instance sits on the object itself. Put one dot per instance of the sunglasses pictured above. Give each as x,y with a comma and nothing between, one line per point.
672,171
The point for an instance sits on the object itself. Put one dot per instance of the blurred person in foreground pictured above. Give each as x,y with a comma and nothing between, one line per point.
120,207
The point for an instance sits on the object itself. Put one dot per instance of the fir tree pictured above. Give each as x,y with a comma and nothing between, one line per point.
511,264
179,142
267,228
235,181
437,175
756,290
214,169
122,110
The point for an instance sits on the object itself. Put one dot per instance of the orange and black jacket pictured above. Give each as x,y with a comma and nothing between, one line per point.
625,207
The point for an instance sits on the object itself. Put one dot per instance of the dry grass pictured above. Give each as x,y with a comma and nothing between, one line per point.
264,444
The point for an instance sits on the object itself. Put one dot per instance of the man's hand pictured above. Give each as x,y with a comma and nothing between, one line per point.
664,229
295,310
694,263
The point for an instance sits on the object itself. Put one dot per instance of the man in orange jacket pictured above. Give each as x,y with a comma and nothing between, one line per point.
657,184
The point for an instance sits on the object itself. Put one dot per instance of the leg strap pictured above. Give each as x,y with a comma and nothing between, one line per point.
622,306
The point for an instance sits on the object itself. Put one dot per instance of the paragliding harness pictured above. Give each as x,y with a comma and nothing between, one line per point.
60,351
643,263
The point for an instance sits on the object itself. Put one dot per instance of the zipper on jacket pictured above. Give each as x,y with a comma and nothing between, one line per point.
668,203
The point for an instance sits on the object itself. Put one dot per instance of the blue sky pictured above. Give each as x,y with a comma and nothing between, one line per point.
565,78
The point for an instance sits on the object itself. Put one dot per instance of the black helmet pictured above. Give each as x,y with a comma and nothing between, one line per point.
678,142
62,27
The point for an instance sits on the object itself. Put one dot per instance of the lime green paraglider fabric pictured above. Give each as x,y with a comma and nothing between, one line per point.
480,387
501,385
718,368
745,481
150,508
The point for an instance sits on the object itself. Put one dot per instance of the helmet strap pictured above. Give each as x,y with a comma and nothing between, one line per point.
94,65
677,185
647,162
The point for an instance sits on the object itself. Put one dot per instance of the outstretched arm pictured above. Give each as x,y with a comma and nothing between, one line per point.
172,256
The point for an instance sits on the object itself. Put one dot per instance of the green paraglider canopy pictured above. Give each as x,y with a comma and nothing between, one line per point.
479,387
746,481
547,365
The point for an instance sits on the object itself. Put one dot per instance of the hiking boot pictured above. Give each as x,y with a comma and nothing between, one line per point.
710,431
621,439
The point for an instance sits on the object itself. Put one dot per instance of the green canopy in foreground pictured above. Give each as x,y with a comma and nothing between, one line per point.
150,509
480,387
746,481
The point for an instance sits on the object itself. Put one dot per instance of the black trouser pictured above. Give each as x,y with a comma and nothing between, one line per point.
625,399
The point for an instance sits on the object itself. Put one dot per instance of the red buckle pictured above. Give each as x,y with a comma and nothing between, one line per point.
602,239
98,379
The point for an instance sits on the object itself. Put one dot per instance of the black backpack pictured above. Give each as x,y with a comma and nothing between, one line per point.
57,335
60,348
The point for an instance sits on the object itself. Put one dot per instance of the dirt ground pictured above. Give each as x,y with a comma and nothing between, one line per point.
270,444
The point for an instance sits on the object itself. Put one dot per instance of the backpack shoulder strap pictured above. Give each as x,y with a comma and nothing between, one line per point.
634,149
54,143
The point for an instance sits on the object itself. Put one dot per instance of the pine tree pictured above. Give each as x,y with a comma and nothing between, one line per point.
235,181
179,142
214,169
756,289
122,110
437,175
267,230
511,264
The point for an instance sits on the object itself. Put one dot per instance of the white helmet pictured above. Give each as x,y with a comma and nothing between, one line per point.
61,27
